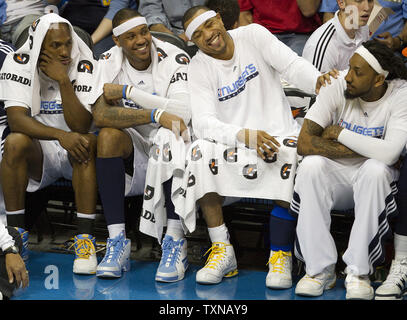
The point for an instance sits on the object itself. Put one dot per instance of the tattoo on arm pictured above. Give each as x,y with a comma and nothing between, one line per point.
310,142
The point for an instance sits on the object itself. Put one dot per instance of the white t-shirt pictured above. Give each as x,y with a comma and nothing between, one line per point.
330,47
371,119
51,110
246,91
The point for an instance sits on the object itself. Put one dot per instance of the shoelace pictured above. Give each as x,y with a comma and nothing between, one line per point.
170,251
217,253
278,261
397,271
84,248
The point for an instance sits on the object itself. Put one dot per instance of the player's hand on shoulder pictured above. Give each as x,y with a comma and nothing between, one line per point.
325,78
113,92
77,146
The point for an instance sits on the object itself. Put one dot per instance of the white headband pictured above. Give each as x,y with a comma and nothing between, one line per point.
129,24
371,60
198,21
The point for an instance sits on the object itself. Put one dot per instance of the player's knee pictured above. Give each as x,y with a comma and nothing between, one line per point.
108,141
312,166
374,170
16,147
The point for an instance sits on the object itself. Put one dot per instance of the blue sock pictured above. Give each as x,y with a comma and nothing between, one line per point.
282,229
111,183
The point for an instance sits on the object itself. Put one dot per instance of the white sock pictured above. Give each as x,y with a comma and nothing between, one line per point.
86,215
22,211
115,229
219,234
400,246
174,229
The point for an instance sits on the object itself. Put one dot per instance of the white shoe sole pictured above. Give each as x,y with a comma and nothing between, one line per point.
329,285
231,273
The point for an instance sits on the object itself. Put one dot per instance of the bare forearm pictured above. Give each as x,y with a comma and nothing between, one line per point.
33,128
103,30
119,117
76,116
160,28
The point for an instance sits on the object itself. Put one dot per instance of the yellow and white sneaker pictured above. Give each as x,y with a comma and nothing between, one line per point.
314,286
280,267
85,254
220,263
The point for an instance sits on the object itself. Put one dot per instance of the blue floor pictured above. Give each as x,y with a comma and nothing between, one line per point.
51,278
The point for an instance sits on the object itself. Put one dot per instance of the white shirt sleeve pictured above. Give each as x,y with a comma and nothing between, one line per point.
10,103
293,68
205,121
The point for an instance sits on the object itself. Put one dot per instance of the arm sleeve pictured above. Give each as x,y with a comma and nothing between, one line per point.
205,120
153,11
293,68
386,150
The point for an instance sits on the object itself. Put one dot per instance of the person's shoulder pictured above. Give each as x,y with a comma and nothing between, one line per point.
322,34
170,53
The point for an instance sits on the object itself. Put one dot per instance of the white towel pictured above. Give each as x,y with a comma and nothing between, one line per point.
233,172
19,78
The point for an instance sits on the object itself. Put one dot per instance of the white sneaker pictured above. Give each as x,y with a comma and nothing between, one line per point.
85,254
358,287
221,263
396,283
280,267
316,285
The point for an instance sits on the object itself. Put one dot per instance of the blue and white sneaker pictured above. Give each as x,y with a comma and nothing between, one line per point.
24,238
174,261
117,257
85,254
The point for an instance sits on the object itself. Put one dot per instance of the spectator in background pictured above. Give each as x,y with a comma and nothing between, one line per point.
292,22
166,16
229,11
333,44
392,32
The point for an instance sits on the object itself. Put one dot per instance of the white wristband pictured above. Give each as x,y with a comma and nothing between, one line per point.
157,115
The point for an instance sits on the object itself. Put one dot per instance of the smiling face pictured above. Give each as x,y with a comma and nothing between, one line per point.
58,43
211,36
136,45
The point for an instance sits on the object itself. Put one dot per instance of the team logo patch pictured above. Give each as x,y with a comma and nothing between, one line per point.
285,171
196,153
35,25
191,180
85,66
148,193
161,54
155,152
299,112
292,143
213,166
21,58
105,56
271,159
148,215
167,156
182,58
250,171
230,155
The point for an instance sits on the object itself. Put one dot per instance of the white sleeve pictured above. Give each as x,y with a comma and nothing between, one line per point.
386,150
5,239
177,104
205,121
325,63
10,103
293,68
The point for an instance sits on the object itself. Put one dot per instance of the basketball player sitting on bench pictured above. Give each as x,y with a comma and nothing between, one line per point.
351,137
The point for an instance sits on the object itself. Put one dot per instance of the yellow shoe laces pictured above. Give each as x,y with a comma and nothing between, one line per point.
278,260
84,248
217,253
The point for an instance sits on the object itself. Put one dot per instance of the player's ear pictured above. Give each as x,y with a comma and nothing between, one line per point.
379,81
116,40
